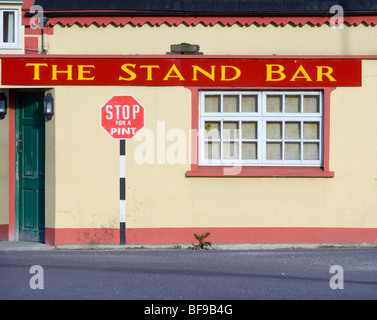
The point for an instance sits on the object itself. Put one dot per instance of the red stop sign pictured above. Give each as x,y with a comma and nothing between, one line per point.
122,117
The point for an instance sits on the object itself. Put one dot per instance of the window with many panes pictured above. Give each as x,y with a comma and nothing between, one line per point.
9,28
261,128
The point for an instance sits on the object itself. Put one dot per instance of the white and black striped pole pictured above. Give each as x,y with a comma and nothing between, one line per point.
122,116
122,187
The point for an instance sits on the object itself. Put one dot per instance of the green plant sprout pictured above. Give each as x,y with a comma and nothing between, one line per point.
202,244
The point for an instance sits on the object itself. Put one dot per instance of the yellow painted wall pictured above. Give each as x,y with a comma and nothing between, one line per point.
50,168
348,200
82,186
214,40
159,195
86,162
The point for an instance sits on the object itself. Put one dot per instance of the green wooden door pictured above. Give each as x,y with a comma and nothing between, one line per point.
30,166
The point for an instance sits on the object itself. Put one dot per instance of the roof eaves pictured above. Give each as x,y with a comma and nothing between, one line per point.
128,13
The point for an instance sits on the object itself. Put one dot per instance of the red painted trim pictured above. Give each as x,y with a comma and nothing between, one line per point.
31,45
222,171
4,232
37,32
194,128
12,164
26,5
326,128
251,235
93,236
207,21
254,235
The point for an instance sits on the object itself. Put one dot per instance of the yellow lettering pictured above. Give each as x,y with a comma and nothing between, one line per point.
81,72
303,72
149,71
55,72
321,73
279,71
223,73
129,72
36,69
207,74
177,74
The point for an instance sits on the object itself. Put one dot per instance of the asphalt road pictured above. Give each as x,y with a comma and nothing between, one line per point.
189,275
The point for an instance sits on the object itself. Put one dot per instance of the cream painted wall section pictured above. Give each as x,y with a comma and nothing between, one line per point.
50,174
87,158
159,194
4,169
215,40
87,161
354,152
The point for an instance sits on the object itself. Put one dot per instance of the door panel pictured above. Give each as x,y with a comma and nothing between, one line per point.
30,175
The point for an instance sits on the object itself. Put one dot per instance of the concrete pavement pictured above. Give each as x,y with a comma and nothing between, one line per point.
35,246
23,245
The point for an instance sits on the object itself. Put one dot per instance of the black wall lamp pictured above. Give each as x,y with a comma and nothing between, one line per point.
48,106
3,105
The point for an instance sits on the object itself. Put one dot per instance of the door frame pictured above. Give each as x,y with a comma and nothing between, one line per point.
14,126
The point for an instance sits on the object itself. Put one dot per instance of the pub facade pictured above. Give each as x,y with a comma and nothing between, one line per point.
147,123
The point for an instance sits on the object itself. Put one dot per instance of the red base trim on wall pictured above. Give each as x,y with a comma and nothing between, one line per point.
4,232
57,237
140,236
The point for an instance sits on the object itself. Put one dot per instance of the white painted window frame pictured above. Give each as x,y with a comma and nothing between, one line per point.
16,43
261,117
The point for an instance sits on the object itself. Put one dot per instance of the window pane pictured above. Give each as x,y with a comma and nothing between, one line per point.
293,104
8,27
212,130
274,130
230,104
311,104
212,151
292,151
230,150
311,130
274,104
292,130
230,130
273,151
249,130
212,104
249,150
311,151
249,104
287,131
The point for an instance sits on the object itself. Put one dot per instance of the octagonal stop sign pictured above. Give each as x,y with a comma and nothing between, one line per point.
122,117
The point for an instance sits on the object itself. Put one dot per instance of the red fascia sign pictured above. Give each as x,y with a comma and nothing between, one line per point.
165,71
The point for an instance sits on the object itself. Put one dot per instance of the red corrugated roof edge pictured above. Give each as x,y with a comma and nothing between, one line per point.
209,21
82,20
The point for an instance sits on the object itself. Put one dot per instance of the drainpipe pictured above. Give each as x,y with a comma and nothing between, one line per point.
45,21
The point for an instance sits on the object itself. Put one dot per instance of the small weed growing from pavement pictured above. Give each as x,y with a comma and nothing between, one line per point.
202,244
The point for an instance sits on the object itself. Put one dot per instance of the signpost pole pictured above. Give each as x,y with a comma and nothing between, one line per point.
122,187
122,117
